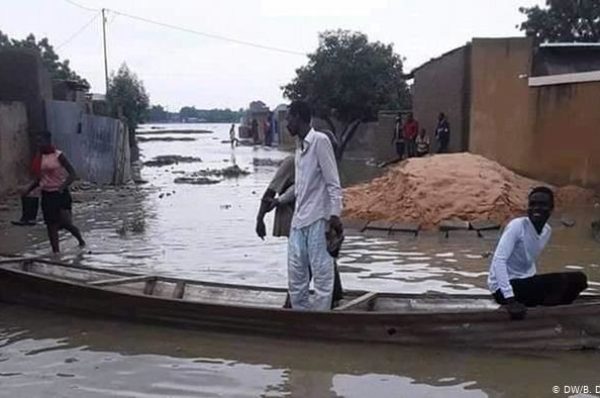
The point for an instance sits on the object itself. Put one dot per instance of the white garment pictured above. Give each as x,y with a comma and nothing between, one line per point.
516,254
317,183
307,251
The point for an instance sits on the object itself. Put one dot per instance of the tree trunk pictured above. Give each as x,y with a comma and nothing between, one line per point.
330,124
347,134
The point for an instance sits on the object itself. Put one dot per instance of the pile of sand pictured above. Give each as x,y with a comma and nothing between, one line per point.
455,186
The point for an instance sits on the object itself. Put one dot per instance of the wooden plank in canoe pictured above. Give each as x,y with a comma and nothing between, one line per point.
366,298
150,285
119,281
179,290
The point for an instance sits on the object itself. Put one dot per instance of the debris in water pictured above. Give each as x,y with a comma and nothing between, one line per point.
167,160
267,162
196,180
167,139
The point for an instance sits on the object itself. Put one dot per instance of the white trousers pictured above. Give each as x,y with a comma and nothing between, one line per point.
307,251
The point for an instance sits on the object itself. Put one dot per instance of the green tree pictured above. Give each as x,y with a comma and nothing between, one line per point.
128,100
350,79
563,21
188,111
58,69
157,113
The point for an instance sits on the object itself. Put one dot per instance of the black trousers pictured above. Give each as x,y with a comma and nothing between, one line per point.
400,149
546,289
443,148
338,293
29,207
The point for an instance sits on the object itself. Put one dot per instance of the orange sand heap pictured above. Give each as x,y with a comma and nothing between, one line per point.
455,186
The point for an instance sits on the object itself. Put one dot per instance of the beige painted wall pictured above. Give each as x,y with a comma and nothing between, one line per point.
551,133
566,134
14,146
501,125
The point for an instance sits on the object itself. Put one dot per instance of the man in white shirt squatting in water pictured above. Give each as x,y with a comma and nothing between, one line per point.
513,280
318,209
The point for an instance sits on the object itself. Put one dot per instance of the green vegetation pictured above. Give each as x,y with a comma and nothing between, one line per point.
563,21
128,101
158,114
58,69
350,79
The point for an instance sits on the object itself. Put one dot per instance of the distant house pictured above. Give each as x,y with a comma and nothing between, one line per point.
69,90
533,108
259,111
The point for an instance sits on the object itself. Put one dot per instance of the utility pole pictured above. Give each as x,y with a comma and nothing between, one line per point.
104,40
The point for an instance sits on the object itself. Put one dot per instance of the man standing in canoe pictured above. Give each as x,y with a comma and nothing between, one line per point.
280,195
316,213
513,280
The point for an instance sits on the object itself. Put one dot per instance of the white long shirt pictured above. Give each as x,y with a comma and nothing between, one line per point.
516,254
317,183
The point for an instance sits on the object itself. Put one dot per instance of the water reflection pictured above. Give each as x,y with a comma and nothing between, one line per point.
45,354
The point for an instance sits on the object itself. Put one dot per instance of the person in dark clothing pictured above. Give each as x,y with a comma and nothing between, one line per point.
513,279
442,133
29,207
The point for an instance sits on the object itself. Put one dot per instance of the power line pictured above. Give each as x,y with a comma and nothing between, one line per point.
79,31
195,32
80,6
209,35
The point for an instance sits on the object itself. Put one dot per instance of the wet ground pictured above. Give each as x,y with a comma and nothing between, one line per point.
207,232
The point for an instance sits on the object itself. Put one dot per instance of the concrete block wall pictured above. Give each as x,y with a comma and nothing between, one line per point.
24,79
15,154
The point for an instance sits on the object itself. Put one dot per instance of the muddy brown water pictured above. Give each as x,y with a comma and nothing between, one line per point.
206,232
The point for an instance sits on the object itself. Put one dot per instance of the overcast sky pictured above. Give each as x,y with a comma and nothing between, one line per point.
180,68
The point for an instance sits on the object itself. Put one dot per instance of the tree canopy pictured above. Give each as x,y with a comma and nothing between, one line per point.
563,21
350,79
58,69
158,113
128,99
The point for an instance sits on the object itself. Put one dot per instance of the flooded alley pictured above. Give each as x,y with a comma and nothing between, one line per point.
206,232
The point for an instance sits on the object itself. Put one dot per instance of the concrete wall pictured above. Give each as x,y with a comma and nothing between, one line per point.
501,101
97,146
23,78
566,134
442,85
549,132
14,146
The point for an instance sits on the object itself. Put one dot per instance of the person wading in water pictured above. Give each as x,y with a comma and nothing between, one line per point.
54,174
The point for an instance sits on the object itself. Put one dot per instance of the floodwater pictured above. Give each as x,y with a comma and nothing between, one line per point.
207,232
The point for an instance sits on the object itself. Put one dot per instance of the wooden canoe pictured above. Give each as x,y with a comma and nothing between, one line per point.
407,319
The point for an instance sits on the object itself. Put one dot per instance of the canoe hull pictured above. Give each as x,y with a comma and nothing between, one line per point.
568,327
